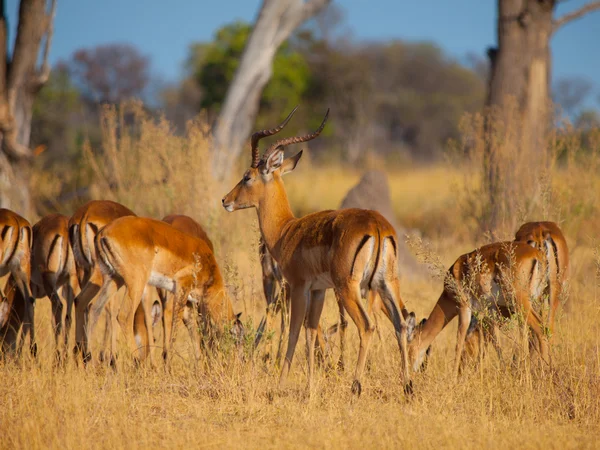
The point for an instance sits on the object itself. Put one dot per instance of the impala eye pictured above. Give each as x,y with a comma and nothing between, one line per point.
246,178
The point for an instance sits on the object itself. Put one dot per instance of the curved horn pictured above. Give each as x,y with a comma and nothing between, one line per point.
296,139
264,133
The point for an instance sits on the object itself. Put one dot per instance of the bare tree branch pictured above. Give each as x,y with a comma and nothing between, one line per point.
276,20
43,73
574,15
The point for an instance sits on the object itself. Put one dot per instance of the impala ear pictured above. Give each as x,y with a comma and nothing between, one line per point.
290,163
273,162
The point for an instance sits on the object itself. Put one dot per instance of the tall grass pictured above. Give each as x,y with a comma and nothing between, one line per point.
230,402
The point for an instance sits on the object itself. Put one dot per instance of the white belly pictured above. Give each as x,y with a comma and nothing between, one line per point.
162,281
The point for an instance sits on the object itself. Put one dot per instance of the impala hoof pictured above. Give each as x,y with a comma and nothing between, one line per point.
87,358
356,388
34,350
408,388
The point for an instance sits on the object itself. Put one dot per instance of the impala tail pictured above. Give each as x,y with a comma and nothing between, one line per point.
76,243
104,255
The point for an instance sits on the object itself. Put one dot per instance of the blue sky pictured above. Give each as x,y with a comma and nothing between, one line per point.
163,30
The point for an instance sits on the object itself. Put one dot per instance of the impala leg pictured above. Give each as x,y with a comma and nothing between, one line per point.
536,326
343,326
464,319
109,288
167,319
140,332
147,303
82,302
312,325
68,293
555,289
57,310
299,302
284,308
350,297
389,292
109,340
22,280
190,320
126,315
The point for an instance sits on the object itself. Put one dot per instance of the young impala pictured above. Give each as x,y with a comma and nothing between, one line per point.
504,277
353,251
548,237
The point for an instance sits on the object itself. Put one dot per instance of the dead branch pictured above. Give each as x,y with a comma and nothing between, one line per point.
577,14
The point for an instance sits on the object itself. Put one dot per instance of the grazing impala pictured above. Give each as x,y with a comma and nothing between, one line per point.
352,251
135,252
83,228
548,237
189,226
53,268
505,276
15,258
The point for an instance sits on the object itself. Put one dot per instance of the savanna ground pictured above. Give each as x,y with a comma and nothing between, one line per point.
227,402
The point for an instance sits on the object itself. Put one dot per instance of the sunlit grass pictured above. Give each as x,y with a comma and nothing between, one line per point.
232,403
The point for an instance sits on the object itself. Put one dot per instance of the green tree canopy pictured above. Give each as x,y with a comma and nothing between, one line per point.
213,67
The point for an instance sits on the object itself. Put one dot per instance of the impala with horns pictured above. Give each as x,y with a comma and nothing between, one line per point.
15,258
353,251
135,252
83,228
548,237
505,278
53,269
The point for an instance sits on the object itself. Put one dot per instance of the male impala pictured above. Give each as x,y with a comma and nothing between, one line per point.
53,268
83,227
352,251
509,276
15,258
548,237
136,251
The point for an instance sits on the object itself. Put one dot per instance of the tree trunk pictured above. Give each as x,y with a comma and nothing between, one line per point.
20,81
519,109
519,105
276,21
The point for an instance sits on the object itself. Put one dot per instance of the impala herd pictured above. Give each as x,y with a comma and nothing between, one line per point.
104,246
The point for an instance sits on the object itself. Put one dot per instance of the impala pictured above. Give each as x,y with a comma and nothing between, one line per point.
506,277
83,228
15,258
135,251
548,237
53,268
352,251
189,226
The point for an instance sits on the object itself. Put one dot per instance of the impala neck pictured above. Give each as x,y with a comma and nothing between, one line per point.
443,312
274,213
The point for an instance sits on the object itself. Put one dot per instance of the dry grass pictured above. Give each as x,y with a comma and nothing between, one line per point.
225,402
